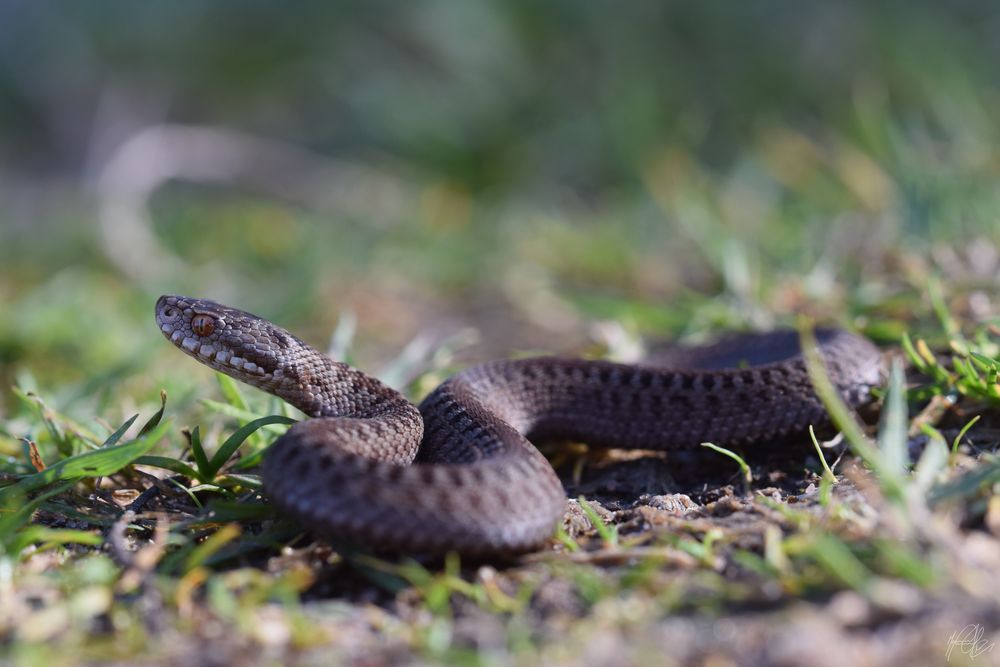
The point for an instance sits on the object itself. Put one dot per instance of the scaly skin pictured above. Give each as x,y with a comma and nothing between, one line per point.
461,474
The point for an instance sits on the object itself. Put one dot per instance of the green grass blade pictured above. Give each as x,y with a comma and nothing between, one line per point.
343,336
838,559
117,435
931,463
914,356
982,361
223,510
744,468
200,457
961,434
244,481
15,513
969,484
49,537
967,371
905,562
170,464
844,419
230,391
942,311
251,460
564,538
234,441
892,432
609,534
96,463
245,415
220,538
822,458
154,421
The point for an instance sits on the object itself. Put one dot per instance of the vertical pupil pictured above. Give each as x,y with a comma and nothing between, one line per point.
202,325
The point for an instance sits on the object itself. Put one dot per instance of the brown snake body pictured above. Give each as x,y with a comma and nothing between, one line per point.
476,484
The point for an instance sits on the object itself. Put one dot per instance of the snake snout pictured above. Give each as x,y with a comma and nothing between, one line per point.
168,309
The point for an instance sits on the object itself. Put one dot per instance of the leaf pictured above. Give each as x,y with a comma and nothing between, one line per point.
948,322
52,537
170,464
892,431
200,457
343,336
36,458
838,560
62,440
969,484
234,441
15,512
961,434
822,458
154,421
985,363
117,435
222,510
237,413
231,391
844,418
96,463
911,352
931,463
249,461
230,480
744,468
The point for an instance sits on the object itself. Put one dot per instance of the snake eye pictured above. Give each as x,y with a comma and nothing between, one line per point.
203,325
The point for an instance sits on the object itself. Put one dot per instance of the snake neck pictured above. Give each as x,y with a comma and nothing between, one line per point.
316,384
322,387
252,350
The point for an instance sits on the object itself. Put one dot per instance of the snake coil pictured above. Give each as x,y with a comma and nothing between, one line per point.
460,472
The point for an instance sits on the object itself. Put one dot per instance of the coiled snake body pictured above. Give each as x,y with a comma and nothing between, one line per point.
460,474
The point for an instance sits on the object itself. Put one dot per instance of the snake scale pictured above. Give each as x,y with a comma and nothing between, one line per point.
460,472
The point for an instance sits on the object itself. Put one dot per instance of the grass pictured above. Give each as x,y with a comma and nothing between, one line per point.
123,542
744,468
556,193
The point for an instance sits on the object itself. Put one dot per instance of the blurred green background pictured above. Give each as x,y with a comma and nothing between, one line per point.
523,168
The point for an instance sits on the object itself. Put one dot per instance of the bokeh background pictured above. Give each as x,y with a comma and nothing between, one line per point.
523,170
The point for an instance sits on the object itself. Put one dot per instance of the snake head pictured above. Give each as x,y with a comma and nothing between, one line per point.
231,341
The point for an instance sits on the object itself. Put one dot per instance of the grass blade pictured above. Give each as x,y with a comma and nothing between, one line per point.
234,441
844,419
609,534
200,457
154,421
117,435
961,434
170,464
892,432
96,463
220,538
744,468
15,513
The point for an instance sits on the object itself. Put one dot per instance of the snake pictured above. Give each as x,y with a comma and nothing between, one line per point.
460,473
